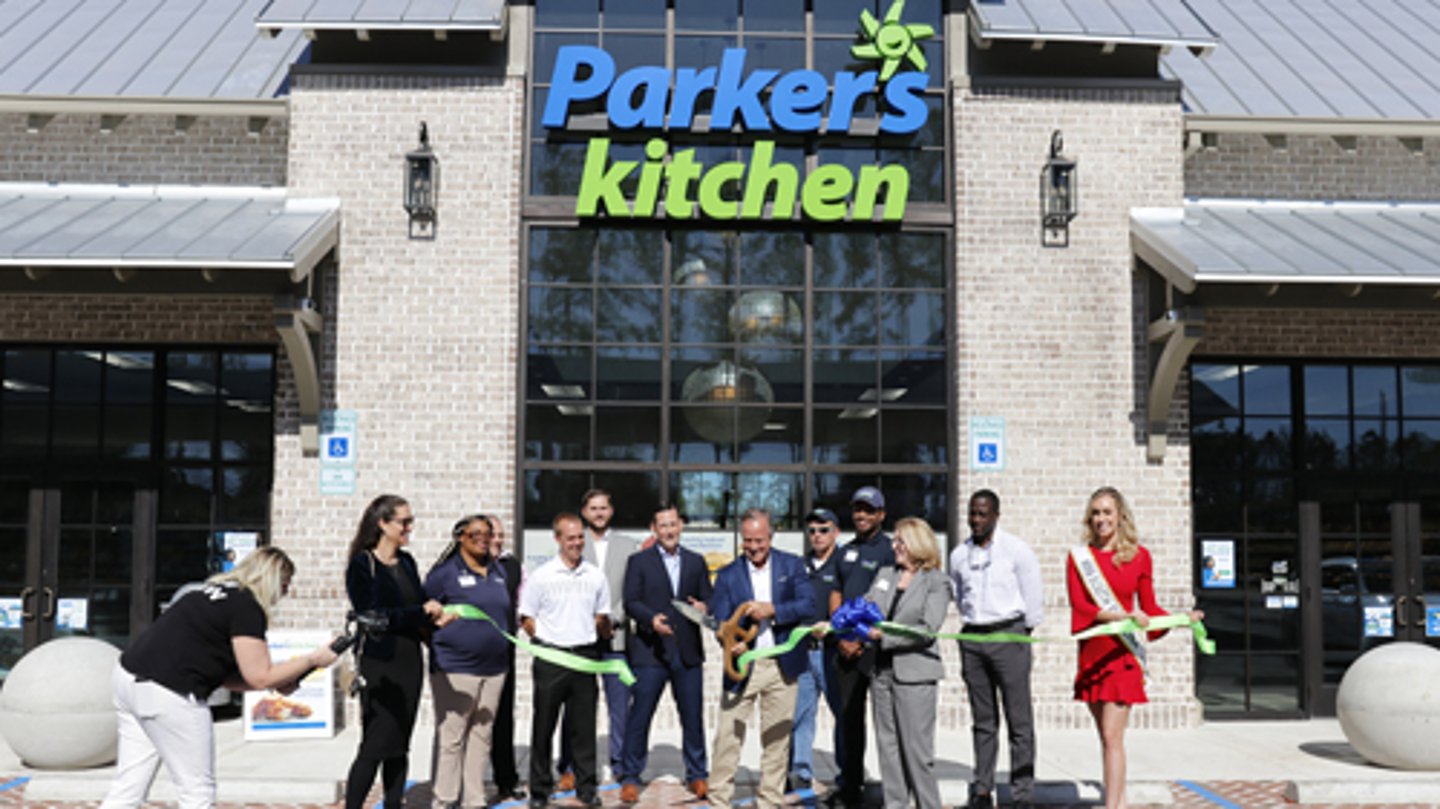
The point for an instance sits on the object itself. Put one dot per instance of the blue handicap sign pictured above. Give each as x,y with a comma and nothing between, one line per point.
339,447
989,453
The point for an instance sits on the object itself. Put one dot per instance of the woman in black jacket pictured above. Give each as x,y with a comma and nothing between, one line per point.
382,578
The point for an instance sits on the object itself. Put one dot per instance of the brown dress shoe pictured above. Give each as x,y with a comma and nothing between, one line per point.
629,793
567,782
699,788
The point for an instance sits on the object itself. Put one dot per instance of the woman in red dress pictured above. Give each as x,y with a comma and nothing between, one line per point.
1111,678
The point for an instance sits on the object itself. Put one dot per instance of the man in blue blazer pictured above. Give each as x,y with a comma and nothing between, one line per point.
777,596
665,647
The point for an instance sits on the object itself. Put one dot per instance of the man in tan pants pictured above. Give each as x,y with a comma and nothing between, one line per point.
774,592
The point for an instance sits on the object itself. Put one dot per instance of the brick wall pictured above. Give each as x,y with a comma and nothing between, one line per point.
137,319
1051,339
1310,333
143,149
1314,167
421,336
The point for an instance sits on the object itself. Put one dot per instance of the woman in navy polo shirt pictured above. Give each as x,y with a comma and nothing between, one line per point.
469,661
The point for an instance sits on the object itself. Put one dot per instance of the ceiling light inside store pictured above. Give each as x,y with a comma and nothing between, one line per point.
563,391
125,362
575,410
192,387
21,386
859,413
883,394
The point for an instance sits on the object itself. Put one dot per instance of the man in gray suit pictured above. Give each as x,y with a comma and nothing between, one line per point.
608,550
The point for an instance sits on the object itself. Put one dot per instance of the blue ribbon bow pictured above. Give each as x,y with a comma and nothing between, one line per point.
854,618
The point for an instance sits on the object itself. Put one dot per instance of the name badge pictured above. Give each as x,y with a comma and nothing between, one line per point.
882,585
870,564
467,580
851,555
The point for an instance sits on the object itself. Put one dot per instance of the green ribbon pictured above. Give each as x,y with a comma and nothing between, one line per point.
799,633
561,658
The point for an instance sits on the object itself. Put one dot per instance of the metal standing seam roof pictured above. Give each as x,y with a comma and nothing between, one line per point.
379,15
157,227
1326,59
1129,22
1244,241
143,49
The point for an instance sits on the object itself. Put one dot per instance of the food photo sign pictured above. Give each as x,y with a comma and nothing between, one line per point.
309,712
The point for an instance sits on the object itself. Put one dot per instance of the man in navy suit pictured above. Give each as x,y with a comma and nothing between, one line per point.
665,647
776,591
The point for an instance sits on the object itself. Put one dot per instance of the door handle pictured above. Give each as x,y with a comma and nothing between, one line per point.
1423,621
25,594
1400,611
49,603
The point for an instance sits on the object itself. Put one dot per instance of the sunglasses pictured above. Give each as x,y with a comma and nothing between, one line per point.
407,522
818,529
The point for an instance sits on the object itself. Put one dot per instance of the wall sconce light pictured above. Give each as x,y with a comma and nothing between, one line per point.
1059,192
422,186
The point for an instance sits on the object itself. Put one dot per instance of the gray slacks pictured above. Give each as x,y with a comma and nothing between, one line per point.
1002,667
905,740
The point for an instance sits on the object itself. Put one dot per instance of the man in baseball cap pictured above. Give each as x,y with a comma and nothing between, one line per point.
860,559
822,532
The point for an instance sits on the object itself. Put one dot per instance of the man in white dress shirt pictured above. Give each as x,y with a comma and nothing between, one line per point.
997,586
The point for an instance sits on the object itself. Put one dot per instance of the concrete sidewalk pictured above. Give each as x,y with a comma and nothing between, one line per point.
1312,756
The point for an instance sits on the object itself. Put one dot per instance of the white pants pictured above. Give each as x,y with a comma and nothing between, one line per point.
158,725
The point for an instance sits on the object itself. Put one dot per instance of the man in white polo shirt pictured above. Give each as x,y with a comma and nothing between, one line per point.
565,605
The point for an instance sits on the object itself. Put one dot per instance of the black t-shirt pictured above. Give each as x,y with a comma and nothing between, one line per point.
859,562
188,649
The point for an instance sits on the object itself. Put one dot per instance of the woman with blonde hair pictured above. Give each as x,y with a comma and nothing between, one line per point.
914,592
1105,577
212,636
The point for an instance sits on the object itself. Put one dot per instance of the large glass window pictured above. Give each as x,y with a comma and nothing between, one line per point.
1353,438
101,424
725,369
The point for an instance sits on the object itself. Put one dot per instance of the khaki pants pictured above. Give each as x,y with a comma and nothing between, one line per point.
464,722
776,698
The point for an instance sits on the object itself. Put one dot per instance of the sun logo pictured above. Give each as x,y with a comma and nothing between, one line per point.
892,40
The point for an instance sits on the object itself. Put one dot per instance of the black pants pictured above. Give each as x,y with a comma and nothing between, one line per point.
502,747
853,676
578,695
1002,667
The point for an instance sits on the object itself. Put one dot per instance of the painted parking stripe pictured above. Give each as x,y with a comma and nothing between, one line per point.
18,782
1208,795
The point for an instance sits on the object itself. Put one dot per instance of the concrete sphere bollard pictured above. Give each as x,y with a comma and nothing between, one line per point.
1389,706
57,710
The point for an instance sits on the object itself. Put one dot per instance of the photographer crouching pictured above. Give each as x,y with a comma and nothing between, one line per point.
212,637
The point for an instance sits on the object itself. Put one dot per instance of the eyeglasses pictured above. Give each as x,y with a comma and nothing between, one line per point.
818,529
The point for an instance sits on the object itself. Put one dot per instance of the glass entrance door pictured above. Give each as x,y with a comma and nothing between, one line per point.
1374,569
67,561
19,595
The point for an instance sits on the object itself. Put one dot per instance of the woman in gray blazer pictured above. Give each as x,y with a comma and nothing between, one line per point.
915,592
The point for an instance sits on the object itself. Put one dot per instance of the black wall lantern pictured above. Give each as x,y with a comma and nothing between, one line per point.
1058,195
422,186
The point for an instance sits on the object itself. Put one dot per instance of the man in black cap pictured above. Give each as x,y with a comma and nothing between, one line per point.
860,559
822,530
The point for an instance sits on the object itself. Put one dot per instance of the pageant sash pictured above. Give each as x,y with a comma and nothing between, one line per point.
1099,588
559,657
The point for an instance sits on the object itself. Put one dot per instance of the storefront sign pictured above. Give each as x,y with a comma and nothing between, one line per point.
652,97
1217,564
987,443
307,713
72,614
